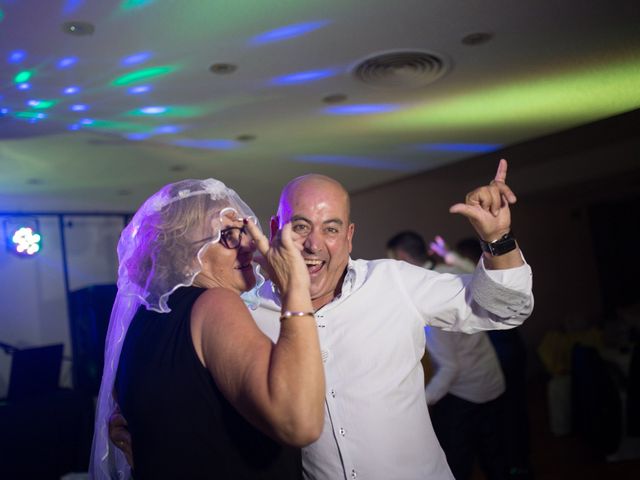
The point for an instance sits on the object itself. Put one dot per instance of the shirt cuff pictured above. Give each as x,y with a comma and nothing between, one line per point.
518,278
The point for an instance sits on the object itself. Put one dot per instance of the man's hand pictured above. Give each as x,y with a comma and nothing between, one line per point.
487,208
120,436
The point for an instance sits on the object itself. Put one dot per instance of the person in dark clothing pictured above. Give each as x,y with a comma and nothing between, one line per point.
204,392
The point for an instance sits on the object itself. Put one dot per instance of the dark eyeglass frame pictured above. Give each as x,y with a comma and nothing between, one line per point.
225,242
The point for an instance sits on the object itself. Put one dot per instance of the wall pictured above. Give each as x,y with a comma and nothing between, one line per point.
33,296
556,179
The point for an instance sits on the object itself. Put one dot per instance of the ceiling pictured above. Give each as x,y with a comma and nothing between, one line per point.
104,101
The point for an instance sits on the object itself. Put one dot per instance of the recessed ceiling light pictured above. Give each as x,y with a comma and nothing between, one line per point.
335,98
245,137
477,38
178,168
78,28
223,68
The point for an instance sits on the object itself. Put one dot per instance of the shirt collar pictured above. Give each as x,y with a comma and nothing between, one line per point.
353,279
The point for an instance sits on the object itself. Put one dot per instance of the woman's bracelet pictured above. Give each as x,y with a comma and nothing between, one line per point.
288,314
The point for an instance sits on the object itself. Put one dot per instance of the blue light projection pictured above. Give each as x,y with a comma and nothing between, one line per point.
67,62
460,147
303,77
4,111
72,90
87,121
24,86
156,110
361,109
168,129
137,137
357,162
71,6
138,89
79,107
136,58
287,32
17,56
208,144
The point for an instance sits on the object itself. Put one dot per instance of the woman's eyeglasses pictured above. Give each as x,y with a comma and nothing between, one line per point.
231,237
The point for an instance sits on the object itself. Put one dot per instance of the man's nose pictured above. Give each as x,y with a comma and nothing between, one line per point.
311,243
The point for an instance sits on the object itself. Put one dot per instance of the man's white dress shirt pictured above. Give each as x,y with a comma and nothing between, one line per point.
377,425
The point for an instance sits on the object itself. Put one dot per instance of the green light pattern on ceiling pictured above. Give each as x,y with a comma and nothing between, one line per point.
143,75
132,4
29,115
171,111
44,104
22,76
117,126
570,97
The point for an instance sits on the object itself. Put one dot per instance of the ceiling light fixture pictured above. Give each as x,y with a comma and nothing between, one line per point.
335,98
78,28
223,68
477,38
246,137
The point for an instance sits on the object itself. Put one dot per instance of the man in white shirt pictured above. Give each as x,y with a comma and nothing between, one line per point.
370,317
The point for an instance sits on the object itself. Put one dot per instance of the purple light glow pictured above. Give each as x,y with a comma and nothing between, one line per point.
362,109
156,110
79,107
287,32
67,62
460,147
137,137
303,77
136,58
139,89
17,56
208,144
71,90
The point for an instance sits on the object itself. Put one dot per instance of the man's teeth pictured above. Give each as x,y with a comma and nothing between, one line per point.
312,263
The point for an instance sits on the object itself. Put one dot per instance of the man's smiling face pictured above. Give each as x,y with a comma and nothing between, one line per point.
318,208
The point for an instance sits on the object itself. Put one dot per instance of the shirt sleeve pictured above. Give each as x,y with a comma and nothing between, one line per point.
442,350
484,300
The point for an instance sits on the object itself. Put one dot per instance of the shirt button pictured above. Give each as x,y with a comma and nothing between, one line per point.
354,474
343,432
333,393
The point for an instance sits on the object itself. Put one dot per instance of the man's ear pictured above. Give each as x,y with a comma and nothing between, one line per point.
351,230
274,225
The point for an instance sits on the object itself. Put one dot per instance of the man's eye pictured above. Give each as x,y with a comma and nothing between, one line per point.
332,230
299,228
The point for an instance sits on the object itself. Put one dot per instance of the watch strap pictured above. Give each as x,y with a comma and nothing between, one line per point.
502,245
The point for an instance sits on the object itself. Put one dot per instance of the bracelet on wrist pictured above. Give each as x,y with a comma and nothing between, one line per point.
289,314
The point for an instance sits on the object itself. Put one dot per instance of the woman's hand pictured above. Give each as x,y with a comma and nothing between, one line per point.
281,257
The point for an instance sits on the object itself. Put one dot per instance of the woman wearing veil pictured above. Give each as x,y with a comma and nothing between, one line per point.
205,393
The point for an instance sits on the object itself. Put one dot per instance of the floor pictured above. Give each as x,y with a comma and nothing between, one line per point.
566,457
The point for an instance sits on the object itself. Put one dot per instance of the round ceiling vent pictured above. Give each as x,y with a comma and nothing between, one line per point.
401,69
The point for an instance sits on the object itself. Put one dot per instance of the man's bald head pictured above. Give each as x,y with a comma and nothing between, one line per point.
312,182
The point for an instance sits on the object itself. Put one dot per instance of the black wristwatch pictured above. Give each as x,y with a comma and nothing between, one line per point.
502,245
